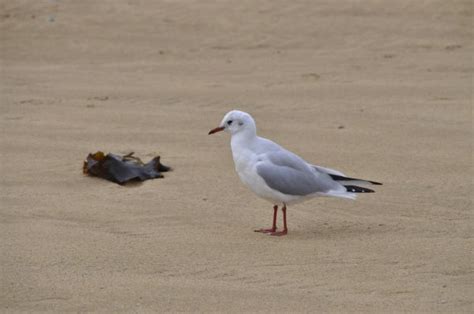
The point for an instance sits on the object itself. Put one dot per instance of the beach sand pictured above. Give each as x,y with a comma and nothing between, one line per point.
376,89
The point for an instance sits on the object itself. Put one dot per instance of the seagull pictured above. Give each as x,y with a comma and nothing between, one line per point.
278,175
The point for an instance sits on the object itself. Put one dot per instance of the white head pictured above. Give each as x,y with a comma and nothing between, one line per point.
237,122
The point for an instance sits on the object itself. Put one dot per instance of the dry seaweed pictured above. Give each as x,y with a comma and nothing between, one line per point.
122,169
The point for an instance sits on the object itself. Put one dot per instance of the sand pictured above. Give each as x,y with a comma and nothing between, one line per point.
377,89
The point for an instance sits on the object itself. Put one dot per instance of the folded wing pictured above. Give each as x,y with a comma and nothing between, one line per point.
289,174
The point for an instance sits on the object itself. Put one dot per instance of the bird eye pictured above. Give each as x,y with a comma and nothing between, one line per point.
229,122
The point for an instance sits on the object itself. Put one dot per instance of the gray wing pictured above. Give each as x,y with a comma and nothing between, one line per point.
289,174
328,170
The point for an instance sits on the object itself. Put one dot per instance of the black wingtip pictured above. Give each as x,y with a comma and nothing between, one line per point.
336,177
375,183
357,189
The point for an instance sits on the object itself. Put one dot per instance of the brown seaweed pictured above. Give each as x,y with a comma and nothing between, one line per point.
122,169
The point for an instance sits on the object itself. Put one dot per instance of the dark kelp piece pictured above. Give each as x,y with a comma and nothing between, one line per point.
121,169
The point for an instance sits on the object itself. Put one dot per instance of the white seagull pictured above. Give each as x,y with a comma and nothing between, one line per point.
278,175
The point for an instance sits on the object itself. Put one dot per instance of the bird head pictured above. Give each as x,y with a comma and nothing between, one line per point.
235,122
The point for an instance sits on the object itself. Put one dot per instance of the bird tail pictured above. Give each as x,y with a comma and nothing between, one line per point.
348,189
339,193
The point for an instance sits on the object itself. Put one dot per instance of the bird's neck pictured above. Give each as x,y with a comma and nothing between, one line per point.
243,139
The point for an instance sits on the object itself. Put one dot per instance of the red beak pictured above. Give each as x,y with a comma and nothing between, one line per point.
221,128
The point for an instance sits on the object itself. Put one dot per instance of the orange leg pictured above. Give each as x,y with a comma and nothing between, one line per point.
285,228
274,226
